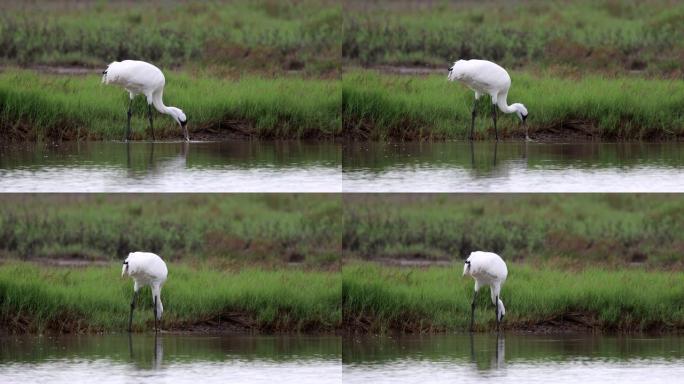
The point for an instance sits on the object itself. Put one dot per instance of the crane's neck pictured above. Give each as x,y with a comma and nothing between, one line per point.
513,108
503,105
159,104
500,306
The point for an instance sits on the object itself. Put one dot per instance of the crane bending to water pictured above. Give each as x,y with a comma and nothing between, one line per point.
487,268
139,77
146,269
484,77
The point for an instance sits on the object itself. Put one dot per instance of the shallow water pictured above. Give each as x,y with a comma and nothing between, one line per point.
170,358
513,359
513,167
234,166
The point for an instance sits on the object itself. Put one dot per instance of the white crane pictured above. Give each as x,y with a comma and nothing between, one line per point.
487,268
146,269
486,78
139,77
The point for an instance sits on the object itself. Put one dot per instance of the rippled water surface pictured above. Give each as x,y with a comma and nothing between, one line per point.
513,167
170,359
236,166
576,359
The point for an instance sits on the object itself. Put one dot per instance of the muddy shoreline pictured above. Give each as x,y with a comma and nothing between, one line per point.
571,131
569,323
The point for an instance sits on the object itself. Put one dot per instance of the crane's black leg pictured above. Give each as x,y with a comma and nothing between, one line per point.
128,125
472,311
472,121
149,115
496,312
155,314
496,134
130,318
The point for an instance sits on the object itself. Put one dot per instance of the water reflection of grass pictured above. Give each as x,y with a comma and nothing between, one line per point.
488,157
37,299
481,349
147,156
380,298
379,107
44,106
146,349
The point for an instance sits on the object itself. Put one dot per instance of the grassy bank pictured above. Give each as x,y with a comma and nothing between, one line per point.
570,231
379,299
381,107
263,36
226,230
604,36
37,106
37,299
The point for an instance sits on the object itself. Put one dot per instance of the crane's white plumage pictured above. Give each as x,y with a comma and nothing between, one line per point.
142,78
487,269
486,78
146,268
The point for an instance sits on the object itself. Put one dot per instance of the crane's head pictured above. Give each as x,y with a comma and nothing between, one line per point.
124,268
179,116
454,72
521,111
466,268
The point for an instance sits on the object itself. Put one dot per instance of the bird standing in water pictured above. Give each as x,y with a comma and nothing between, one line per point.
139,77
146,269
487,269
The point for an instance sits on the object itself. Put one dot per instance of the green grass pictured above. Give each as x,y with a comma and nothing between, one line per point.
573,231
379,107
379,299
235,229
607,36
41,106
238,36
38,299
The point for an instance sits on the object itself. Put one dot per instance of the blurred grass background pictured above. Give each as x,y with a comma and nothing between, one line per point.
228,37
572,231
606,36
227,231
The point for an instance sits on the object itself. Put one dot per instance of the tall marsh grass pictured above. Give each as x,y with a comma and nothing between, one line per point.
41,106
378,298
380,107
38,299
